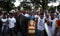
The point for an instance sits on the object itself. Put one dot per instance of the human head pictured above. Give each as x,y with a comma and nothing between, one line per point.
11,15
47,15
41,15
52,15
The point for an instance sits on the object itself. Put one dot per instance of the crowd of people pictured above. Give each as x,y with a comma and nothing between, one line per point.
18,22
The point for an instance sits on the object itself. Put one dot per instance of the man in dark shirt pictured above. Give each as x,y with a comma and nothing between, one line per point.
21,23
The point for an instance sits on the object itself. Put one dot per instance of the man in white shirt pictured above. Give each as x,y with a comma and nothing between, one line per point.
4,22
52,25
12,22
40,25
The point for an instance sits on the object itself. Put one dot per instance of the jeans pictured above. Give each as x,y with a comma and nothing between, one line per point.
3,28
40,32
12,31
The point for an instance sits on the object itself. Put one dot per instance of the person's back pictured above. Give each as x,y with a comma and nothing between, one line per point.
21,23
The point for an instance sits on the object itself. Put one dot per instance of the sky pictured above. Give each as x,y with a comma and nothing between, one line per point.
17,3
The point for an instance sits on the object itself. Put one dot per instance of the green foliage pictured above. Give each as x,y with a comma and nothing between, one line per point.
19,7
6,5
58,7
27,7
52,8
9,0
43,3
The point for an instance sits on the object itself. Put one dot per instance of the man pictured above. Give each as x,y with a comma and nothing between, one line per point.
47,17
4,22
12,22
40,25
52,25
57,30
21,22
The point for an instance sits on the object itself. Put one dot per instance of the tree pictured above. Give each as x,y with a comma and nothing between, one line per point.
43,3
25,5
6,4
58,8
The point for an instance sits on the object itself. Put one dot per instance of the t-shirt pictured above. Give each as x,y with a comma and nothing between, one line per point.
40,24
53,25
3,21
12,22
26,15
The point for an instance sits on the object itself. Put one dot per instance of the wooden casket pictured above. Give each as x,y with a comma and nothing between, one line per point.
31,27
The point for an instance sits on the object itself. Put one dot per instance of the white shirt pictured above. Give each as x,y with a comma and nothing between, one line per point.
36,16
52,28
3,21
47,30
40,24
12,22
26,15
